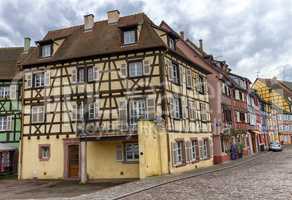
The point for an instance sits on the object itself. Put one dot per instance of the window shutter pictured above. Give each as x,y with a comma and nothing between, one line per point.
81,110
246,117
119,152
123,115
28,80
170,72
201,149
47,78
208,148
95,74
12,91
188,151
171,107
74,111
173,153
181,74
124,70
184,108
146,67
96,109
9,122
189,78
197,150
150,108
74,75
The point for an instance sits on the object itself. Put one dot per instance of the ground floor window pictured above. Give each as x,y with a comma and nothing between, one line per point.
194,148
44,152
131,152
203,147
178,148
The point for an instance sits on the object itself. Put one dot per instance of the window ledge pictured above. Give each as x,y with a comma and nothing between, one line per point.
130,162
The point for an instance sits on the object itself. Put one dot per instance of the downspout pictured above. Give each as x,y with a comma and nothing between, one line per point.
20,156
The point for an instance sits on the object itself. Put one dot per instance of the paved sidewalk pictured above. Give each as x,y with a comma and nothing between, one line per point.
121,191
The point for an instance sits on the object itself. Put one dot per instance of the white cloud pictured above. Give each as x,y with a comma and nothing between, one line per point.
251,35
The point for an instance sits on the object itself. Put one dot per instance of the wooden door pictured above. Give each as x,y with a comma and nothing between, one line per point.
73,156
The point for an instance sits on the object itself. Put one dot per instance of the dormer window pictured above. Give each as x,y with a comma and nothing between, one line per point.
171,43
129,36
46,50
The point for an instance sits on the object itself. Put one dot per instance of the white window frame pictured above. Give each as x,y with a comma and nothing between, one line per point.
137,110
129,36
135,69
178,152
171,43
176,108
175,73
4,92
194,147
5,123
203,149
37,114
40,76
46,50
131,152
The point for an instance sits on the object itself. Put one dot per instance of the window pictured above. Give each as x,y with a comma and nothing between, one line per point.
175,73
204,114
135,69
194,149
39,79
175,105
4,92
92,110
46,50
5,123
178,152
171,43
44,152
192,110
189,79
129,37
81,75
132,152
37,114
200,85
137,111
203,147
227,115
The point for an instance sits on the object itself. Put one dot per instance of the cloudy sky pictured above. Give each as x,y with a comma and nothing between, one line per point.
253,36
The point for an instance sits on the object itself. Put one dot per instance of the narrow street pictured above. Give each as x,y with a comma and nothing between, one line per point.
267,177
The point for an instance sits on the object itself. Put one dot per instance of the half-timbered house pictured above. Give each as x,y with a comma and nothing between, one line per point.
95,93
10,108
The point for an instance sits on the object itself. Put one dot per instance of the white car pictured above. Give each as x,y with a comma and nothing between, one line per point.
275,146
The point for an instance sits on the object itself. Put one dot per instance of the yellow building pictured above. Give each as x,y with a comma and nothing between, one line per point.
113,99
278,96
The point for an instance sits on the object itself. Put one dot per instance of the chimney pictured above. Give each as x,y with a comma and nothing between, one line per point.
88,22
182,35
201,44
26,44
113,16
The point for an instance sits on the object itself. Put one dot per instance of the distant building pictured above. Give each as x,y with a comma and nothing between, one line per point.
10,108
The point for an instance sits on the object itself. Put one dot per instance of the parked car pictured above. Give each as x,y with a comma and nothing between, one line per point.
275,146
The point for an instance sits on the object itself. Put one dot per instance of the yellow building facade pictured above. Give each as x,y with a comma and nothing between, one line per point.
139,109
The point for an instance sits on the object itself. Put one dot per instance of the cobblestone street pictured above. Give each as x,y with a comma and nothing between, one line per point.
267,177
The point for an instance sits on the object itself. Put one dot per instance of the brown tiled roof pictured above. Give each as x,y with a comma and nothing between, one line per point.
103,39
8,62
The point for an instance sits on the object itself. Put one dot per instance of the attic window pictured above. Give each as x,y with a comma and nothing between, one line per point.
129,36
46,50
171,43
